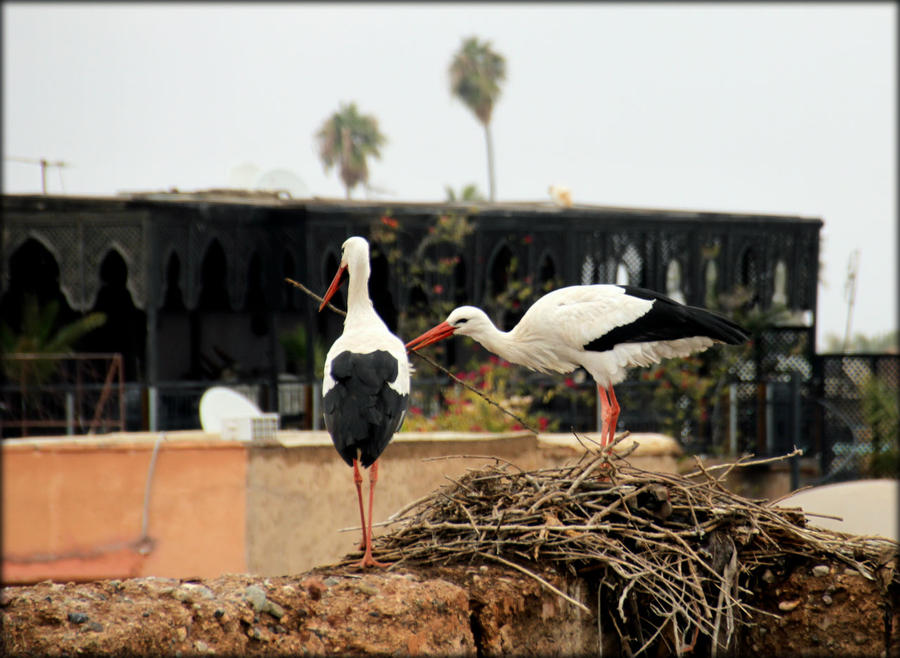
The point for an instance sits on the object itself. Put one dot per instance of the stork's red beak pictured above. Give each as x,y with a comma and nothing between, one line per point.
335,284
433,335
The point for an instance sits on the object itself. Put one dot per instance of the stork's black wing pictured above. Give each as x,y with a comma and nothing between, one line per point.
362,411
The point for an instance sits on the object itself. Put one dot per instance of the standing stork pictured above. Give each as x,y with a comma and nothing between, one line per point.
603,328
366,384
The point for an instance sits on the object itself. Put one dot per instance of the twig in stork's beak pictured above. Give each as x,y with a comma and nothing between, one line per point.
335,284
433,335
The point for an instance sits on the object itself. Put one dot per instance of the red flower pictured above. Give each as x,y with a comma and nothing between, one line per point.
528,239
494,359
542,423
515,427
438,289
389,221
570,382
483,370
415,411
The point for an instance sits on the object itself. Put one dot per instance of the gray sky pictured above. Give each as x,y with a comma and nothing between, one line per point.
772,108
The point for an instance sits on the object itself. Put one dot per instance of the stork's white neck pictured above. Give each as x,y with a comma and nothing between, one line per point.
360,309
517,346
502,344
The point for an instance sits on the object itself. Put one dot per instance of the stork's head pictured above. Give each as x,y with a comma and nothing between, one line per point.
463,320
354,262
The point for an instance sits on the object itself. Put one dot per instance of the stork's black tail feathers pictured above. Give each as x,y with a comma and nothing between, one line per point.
718,326
670,320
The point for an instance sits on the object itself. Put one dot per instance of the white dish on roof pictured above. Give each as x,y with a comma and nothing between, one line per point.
219,402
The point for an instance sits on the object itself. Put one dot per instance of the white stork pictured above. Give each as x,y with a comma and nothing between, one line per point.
603,328
366,385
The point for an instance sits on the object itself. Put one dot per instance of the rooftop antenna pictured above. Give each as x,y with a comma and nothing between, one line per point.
44,163
850,293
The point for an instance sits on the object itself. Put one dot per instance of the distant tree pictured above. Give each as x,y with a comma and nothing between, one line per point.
476,73
468,193
347,139
41,333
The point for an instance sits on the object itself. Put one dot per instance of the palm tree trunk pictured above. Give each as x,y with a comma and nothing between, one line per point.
345,159
490,157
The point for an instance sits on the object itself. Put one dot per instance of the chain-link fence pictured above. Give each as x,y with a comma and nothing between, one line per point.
847,385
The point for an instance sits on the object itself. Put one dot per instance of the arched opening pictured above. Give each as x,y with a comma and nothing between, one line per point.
379,288
173,298
125,328
33,272
546,271
710,281
289,301
460,294
630,267
779,291
674,281
499,271
622,278
213,277
749,269
256,298
588,271
749,275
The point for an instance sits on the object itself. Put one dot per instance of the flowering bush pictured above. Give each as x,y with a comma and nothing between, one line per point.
461,410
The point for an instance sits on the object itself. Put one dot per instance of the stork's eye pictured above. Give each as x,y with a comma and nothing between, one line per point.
461,321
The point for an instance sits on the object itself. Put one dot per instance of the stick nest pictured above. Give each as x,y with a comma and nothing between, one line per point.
666,551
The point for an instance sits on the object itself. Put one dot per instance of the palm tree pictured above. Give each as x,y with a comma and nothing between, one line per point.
348,138
468,193
475,76
41,333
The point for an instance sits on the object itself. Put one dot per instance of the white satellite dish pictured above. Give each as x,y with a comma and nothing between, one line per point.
283,179
219,402
243,176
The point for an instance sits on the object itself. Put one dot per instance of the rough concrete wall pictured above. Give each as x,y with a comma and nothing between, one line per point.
74,511
298,499
456,611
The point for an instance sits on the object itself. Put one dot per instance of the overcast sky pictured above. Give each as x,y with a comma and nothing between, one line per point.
772,108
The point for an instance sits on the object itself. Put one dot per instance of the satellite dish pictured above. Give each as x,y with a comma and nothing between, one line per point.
283,179
219,402
243,176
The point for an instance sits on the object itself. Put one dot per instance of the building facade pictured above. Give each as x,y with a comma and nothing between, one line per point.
193,285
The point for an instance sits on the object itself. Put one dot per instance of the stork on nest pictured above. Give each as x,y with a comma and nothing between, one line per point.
672,556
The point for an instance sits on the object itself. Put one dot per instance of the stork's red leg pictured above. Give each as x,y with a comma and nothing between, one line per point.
613,414
604,413
368,560
357,478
